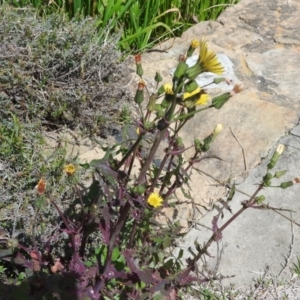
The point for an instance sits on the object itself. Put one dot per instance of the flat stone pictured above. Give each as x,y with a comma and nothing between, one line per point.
261,39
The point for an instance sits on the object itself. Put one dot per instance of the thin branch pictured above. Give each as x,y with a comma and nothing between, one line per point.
243,152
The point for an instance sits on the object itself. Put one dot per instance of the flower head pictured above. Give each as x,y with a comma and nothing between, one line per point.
155,200
70,169
195,43
187,95
168,89
208,59
203,99
41,186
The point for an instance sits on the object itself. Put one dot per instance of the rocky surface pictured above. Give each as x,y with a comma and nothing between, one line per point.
261,39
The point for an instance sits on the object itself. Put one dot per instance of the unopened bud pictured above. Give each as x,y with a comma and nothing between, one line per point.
267,179
217,130
139,68
139,96
279,174
285,185
157,77
219,101
275,157
179,143
139,189
219,80
198,145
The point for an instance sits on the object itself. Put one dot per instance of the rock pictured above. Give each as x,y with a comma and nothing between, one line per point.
261,39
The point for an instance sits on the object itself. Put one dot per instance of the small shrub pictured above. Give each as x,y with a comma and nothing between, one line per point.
58,72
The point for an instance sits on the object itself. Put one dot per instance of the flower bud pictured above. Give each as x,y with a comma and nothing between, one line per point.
219,80
208,140
157,77
198,145
139,68
217,130
285,185
139,96
275,157
267,179
179,143
279,174
219,101
139,189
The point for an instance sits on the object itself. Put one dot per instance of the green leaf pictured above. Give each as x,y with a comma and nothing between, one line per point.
115,254
180,254
231,193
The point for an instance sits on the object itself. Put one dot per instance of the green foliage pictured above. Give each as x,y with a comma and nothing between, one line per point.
143,23
296,267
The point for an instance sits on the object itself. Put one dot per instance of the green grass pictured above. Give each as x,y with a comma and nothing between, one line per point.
142,23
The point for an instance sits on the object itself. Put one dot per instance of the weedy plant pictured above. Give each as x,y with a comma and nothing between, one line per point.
106,243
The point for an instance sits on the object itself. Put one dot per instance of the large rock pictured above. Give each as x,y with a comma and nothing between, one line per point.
262,39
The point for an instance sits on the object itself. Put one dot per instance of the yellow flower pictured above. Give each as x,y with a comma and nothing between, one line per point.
204,98
155,200
195,43
208,59
70,169
188,95
168,89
